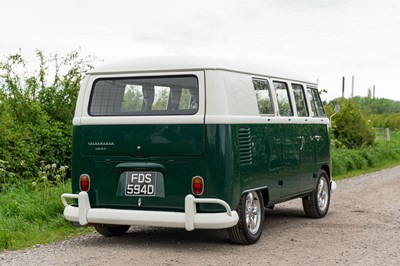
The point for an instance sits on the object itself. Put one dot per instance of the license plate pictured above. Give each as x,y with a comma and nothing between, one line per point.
140,184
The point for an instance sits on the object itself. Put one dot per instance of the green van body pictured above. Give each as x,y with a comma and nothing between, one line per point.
225,141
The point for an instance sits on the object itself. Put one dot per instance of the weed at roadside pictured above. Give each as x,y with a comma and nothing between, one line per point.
32,214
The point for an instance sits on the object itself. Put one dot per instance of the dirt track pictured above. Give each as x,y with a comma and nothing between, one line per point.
361,228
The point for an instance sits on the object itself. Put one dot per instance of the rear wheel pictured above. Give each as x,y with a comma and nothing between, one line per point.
251,219
316,205
109,230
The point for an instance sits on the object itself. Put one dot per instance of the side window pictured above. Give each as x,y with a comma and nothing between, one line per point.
263,95
300,100
282,95
317,109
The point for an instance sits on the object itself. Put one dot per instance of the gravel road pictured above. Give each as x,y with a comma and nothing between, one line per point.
361,228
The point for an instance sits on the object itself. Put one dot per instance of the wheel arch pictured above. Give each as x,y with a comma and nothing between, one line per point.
264,192
327,169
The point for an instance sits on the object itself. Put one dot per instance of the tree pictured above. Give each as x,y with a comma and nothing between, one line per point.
54,83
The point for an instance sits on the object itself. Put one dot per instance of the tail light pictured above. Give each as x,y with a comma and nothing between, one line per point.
84,182
197,185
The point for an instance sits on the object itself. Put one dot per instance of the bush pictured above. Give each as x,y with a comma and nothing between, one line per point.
369,156
350,128
338,165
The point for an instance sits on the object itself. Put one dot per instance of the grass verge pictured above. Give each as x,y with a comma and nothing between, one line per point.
347,162
31,215
365,170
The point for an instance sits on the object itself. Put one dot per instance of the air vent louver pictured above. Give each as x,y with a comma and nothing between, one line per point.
245,146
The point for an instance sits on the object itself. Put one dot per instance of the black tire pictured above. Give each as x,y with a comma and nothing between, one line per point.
316,205
249,228
109,230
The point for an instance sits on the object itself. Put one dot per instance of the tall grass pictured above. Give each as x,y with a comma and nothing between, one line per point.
349,162
32,215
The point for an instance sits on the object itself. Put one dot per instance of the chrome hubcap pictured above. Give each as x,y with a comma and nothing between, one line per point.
252,212
323,194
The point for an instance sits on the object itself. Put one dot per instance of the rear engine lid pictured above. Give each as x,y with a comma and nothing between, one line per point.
142,140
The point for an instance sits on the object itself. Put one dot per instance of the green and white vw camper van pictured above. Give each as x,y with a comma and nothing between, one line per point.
195,143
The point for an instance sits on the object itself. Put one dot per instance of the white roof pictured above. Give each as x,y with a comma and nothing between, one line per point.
191,63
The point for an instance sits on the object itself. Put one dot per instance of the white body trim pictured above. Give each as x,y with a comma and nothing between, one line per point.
236,119
209,119
189,219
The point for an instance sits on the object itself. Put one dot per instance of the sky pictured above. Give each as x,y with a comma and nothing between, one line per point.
323,40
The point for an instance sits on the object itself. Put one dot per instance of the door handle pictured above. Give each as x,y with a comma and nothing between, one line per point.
302,142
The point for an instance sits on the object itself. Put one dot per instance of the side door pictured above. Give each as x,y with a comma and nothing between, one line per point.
320,129
289,179
305,136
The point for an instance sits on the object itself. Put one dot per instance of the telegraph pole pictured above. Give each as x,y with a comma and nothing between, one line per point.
374,92
352,86
343,86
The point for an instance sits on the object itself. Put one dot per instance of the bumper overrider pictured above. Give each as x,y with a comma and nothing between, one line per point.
333,186
190,219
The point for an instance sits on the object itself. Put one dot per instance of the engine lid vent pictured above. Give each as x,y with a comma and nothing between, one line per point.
245,146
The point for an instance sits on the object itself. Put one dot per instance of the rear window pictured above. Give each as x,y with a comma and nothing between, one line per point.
166,95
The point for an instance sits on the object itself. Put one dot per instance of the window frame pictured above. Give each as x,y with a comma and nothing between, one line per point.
188,112
293,84
288,91
318,101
